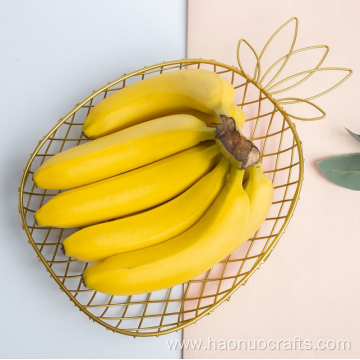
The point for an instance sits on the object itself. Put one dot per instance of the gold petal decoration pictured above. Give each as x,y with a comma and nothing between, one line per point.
296,52
287,57
310,72
270,90
257,71
288,101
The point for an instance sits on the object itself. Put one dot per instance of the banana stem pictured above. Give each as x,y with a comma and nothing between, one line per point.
241,152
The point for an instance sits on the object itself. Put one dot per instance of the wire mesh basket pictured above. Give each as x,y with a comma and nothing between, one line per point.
268,124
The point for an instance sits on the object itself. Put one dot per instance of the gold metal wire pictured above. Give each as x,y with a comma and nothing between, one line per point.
268,124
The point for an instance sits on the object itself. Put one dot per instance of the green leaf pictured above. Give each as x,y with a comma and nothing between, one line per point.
342,170
355,136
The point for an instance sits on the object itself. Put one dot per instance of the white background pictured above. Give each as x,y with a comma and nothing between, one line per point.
53,55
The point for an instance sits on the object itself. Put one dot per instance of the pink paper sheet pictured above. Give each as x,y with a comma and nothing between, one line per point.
309,287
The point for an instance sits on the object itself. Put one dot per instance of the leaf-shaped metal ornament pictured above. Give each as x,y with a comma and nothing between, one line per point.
289,101
271,88
257,69
293,53
355,136
310,72
342,170
286,57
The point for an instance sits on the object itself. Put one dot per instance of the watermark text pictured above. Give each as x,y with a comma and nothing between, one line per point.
295,344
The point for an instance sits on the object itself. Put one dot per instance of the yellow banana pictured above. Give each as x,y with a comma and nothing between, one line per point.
182,258
128,193
151,227
156,96
234,111
122,151
260,191
246,174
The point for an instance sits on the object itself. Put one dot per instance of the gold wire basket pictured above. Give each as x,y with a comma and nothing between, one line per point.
268,124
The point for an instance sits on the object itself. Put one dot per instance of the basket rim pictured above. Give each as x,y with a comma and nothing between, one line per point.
256,266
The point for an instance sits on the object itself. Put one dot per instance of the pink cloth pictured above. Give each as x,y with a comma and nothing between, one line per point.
309,287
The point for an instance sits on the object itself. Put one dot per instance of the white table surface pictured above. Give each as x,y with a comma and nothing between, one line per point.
53,55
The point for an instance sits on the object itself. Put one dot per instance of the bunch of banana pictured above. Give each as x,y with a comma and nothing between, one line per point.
95,243
233,217
160,189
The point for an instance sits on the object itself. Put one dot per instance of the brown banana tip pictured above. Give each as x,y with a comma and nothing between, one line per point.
253,158
62,249
36,224
83,134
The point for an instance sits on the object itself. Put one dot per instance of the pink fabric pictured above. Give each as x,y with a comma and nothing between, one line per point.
309,287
